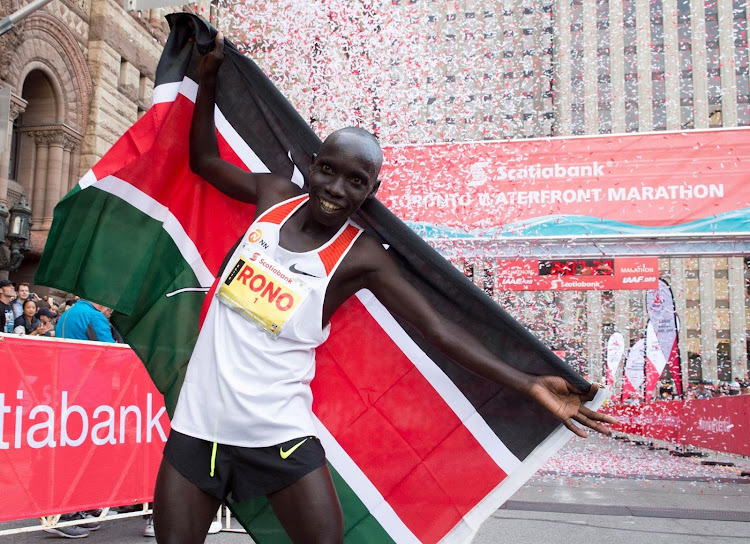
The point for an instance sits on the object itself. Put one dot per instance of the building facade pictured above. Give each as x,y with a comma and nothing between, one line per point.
80,73
470,70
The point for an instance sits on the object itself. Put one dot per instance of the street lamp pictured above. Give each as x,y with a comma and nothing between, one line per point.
18,234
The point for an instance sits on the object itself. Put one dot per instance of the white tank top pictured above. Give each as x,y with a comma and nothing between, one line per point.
245,386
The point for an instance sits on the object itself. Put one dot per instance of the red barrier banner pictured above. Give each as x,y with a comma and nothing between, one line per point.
81,426
577,274
628,418
719,424
611,185
662,420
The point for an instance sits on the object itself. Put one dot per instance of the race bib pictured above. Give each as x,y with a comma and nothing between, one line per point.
263,291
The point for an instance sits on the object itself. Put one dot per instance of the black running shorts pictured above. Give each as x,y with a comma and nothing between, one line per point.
219,470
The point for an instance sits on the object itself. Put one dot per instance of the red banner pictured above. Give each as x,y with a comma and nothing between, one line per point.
720,424
81,426
577,274
635,184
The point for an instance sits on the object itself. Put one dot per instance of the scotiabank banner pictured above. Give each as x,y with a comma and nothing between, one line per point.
578,274
636,184
720,424
81,426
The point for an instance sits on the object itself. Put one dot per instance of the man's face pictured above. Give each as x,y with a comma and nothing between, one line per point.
23,292
342,176
9,291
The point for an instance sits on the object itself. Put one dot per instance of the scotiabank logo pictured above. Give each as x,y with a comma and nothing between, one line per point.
255,236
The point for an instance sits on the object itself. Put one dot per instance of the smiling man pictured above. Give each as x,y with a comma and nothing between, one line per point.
244,423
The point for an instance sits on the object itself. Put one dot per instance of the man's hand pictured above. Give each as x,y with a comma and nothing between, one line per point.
209,64
566,404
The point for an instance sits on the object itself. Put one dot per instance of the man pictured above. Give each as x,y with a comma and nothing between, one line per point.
256,435
85,321
7,294
23,294
703,392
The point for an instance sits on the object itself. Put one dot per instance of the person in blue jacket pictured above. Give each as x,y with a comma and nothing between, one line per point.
85,321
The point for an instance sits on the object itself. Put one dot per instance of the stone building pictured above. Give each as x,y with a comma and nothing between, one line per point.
80,72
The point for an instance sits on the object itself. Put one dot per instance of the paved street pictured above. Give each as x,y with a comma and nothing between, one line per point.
594,491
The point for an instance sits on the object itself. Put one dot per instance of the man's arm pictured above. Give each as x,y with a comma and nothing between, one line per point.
204,148
387,283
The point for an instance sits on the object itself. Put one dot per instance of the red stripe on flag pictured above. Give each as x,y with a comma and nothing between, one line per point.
361,390
137,140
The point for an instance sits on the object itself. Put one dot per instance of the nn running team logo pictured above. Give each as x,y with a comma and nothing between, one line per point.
255,236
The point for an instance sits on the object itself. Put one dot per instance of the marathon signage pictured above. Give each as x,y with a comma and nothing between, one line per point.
577,274
81,426
637,184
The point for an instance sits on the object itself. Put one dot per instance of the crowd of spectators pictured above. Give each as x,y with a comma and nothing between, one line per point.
25,313
706,389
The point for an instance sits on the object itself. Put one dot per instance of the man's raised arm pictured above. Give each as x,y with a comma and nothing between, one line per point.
204,147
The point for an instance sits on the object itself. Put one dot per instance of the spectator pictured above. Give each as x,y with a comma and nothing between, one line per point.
65,306
47,316
51,303
7,294
28,323
23,296
702,392
85,321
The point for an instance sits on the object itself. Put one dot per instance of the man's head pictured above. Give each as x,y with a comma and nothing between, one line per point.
23,291
7,290
343,174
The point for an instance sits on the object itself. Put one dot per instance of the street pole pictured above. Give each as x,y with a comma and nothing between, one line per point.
11,20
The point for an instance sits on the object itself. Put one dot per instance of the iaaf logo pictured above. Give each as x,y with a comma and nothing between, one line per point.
640,279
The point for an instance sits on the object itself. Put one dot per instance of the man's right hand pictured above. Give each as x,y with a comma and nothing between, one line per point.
209,64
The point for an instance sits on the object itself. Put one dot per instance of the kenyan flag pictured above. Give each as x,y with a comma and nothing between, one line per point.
421,449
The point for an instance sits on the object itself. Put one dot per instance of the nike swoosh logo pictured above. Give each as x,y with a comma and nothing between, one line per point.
287,453
293,268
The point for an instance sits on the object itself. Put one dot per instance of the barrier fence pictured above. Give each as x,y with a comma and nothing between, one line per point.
81,427
720,424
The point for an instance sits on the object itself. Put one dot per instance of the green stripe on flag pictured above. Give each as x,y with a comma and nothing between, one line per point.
359,524
101,248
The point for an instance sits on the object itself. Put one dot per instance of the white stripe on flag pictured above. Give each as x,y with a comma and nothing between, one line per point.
88,179
465,411
167,92
375,503
141,201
